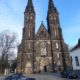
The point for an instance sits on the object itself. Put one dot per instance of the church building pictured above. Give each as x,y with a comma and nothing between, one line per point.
44,51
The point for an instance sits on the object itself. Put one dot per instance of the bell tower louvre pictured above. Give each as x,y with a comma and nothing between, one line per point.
44,51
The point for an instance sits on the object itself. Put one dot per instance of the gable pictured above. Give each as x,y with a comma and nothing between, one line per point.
42,33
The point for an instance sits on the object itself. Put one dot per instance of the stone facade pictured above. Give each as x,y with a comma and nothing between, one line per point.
45,50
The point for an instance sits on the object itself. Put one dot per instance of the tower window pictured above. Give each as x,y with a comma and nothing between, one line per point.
54,17
77,61
51,18
43,49
29,31
57,46
58,63
58,55
55,33
31,17
27,17
43,52
29,45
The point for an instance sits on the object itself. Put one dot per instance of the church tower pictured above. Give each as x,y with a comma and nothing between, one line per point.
29,21
44,51
57,43
53,21
28,38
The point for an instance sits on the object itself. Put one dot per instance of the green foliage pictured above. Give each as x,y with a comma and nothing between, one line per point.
4,64
14,65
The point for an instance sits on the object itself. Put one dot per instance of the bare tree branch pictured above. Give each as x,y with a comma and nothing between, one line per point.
8,43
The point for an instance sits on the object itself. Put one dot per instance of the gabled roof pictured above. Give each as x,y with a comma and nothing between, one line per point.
76,47
42,32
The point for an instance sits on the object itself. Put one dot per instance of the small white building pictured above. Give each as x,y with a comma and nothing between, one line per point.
75,56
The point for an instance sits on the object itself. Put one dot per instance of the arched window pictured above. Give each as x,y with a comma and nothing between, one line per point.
57,45
55,33
43,49
29,32
29,45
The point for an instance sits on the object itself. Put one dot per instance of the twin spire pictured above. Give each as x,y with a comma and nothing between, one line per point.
30,7
51,6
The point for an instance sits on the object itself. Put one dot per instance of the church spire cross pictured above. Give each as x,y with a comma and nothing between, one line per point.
30,7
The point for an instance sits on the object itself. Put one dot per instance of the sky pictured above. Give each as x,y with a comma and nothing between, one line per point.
12,17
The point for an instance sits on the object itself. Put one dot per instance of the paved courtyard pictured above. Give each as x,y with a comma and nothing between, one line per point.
1,77
47,76
44,76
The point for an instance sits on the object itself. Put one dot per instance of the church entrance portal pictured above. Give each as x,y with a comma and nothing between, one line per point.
45,68
44,64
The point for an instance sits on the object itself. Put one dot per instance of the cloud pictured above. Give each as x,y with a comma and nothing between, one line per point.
11,17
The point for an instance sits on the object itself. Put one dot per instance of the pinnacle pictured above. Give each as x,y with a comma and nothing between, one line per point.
29,7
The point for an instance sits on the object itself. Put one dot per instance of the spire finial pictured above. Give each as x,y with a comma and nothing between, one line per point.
41,22
51,6
30,7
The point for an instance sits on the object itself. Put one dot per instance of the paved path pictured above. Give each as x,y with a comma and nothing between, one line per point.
44,76
1,77
49,76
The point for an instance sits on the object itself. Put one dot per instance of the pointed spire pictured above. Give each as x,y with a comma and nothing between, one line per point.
51,6
42,24
30,7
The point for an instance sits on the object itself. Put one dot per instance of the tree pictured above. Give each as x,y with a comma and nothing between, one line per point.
14,65
8,43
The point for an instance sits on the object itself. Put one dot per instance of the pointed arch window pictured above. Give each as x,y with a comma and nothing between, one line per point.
57,45
29,31
54,17
31,17
43,49
27,17
58,55
58,63
29,45
55,33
